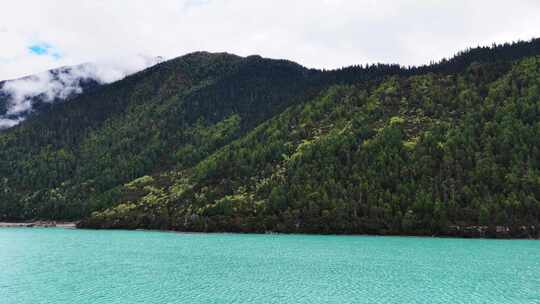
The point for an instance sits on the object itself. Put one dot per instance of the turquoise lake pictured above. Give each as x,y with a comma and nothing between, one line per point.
83,266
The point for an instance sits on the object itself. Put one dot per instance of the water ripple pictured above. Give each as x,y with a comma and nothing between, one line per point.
116,267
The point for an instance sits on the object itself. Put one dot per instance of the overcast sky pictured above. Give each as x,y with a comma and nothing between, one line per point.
37,35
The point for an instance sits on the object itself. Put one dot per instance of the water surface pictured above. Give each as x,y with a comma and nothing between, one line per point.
82,266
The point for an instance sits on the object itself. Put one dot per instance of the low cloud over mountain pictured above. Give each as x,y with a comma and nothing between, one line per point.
19,97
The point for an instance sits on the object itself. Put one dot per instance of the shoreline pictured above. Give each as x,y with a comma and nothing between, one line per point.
412,235
73,225
40,224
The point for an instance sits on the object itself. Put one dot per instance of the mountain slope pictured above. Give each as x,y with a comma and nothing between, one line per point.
413,155
216,142
71,154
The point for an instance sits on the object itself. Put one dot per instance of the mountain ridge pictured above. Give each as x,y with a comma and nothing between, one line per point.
218,142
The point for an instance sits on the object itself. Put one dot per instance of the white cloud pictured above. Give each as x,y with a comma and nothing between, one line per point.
316,33
64,83
8,122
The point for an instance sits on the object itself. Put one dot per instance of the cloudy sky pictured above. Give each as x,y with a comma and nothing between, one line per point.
38,35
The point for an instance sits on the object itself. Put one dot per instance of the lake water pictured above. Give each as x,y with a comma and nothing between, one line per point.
81,266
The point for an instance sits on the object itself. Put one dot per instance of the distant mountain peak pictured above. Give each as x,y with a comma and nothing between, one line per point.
20,97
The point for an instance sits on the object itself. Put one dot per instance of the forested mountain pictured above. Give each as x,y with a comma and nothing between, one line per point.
217,142
21,97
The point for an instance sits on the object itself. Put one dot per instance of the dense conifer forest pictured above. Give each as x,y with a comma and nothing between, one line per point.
217,142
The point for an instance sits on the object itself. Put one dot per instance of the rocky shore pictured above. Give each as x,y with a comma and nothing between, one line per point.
42,224
503,232
465,231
